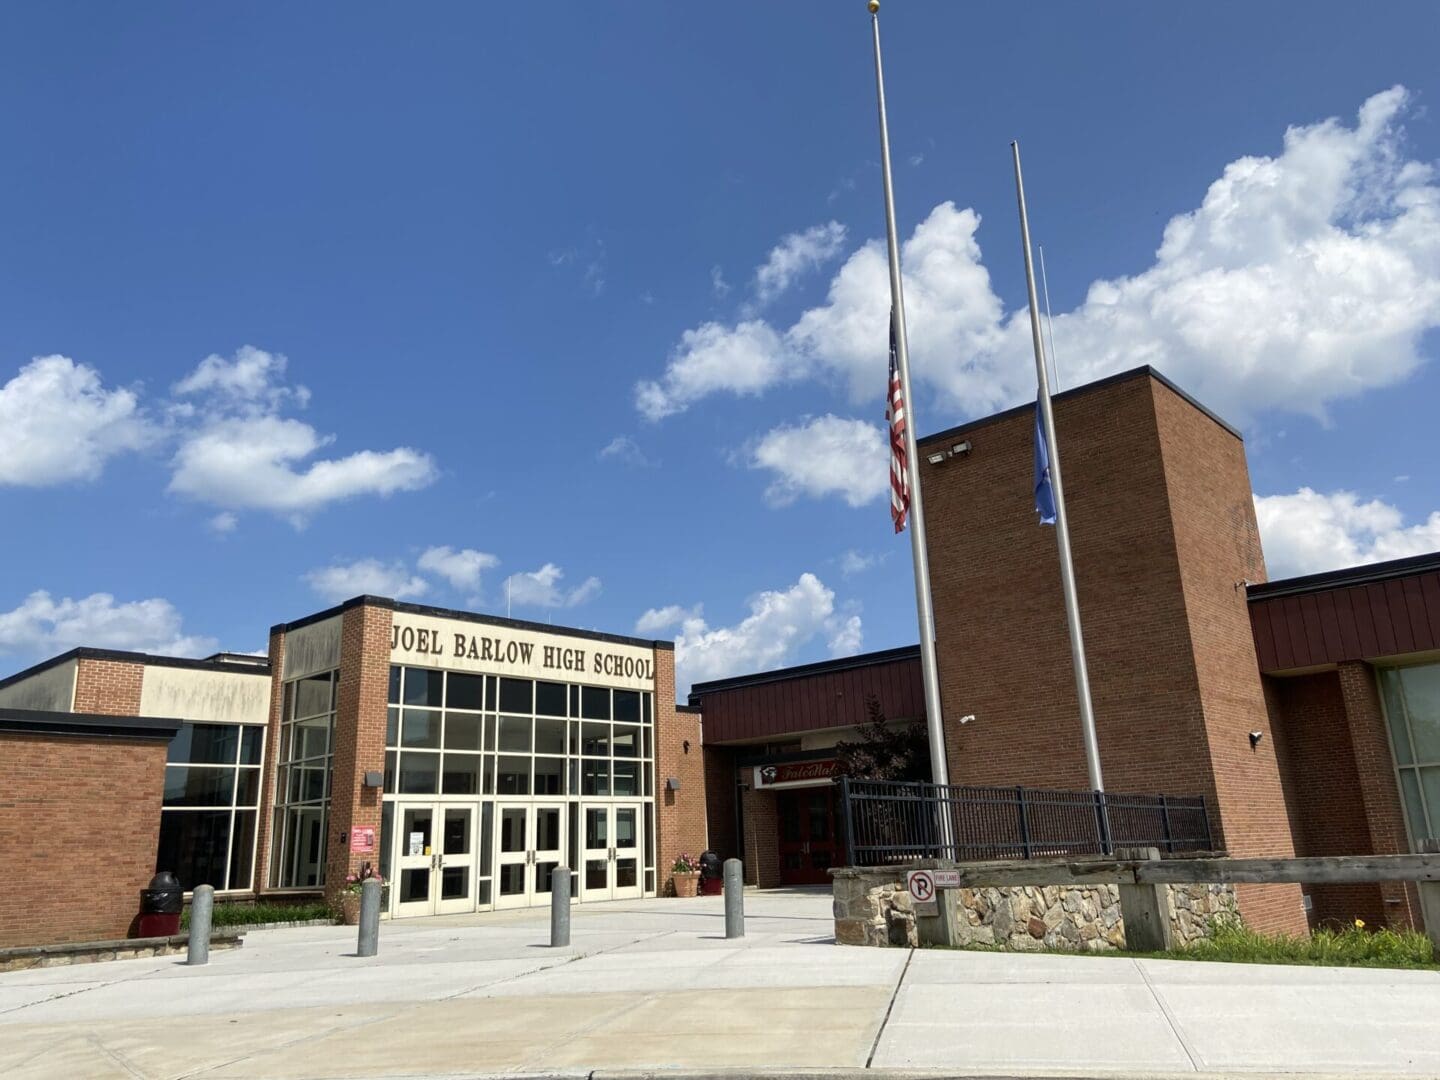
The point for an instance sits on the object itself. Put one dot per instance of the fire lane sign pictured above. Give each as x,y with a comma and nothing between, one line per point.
946,879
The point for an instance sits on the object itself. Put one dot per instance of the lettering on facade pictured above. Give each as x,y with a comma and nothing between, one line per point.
485,648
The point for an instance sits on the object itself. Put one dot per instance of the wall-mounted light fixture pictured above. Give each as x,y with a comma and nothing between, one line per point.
374,779
939,456
1255,737
672,784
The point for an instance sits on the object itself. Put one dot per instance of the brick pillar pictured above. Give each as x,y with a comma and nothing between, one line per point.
762,840
359,737
266,823
1384,813
679,815
108,687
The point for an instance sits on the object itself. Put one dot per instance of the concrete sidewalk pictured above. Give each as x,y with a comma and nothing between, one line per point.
654,984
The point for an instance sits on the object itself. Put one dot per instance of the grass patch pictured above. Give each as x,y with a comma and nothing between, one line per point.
1231,942
255,914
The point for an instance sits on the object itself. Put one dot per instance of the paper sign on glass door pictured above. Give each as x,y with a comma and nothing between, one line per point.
417,843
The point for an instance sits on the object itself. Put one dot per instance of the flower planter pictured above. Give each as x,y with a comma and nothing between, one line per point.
350,908
687,884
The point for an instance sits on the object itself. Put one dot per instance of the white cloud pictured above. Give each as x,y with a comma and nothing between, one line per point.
824,456
853,562
656,620
541,588
625,450
44,625
462,569
340,581
1301,279
718,285
796,255
1310,532
745,359
224,522
778,626
58,423
239,453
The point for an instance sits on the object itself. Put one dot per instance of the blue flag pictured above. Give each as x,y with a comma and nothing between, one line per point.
1044,496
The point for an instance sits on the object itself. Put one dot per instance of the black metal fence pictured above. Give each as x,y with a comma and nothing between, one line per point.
885,822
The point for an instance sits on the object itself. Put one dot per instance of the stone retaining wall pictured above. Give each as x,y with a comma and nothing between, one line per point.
872,907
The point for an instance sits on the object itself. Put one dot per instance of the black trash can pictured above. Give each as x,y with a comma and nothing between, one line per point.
160,906
712,874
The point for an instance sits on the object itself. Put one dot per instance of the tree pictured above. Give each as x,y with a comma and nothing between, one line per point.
885,751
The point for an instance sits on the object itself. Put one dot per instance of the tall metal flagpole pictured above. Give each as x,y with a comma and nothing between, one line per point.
1062,522
939,771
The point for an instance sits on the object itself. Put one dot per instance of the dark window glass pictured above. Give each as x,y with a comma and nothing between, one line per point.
627,706
199,785
392,727
626,778
307,783
549,736
549,776
461,774
419,773
242,849
645,708
420,729
390,759
393,697
312,695
205,744
515,734
595,703
462,731
595,778
625,742
487,822
423,686
247,787
645,734
517,696
550,698
466,692
310,738
250,741
595,740
194,846
574,701
513,776
489,694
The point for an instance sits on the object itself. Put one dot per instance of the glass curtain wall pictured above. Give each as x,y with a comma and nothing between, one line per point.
212,800
1412,709
481,737
302,781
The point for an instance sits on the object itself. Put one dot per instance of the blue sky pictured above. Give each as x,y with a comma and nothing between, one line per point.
445,258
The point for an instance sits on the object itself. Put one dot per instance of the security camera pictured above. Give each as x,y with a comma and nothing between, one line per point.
967,718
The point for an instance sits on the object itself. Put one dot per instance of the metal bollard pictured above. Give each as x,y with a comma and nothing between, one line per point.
734,898
369,918
202,910
560,907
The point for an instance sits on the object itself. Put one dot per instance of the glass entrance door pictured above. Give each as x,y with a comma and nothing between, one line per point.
434,871
531,842
611,854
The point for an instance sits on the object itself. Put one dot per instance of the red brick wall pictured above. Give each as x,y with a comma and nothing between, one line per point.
1163,530
679,815
1312,734
359,737
264,849
762,832
109,687
79,827
1375,768
720,802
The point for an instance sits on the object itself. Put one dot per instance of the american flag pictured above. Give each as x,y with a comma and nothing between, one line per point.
895,418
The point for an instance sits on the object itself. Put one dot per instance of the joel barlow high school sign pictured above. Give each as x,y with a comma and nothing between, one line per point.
449,643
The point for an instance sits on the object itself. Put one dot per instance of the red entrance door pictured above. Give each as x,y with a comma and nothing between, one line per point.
807,835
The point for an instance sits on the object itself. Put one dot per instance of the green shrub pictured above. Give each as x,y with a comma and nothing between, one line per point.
256,914
1349,946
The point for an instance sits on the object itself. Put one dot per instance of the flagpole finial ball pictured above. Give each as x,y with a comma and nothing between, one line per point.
874,6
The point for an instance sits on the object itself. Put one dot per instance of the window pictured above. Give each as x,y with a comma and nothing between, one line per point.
212,801
1412,708
302,781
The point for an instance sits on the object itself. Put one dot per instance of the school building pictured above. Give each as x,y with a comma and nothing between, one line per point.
466,756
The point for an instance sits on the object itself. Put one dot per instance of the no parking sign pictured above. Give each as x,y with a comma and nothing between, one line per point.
921,884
